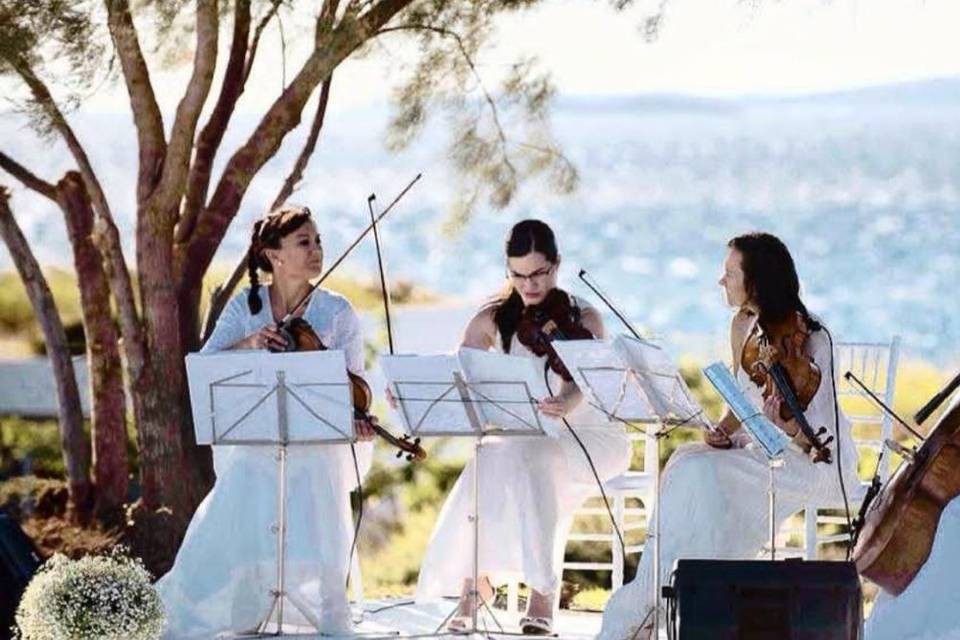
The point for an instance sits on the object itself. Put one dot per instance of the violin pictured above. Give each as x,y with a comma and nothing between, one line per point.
774,358
300,336
555,318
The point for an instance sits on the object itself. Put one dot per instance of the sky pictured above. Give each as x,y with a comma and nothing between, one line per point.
717,48
705,47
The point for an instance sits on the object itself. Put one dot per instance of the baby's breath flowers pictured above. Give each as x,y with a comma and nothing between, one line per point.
94,598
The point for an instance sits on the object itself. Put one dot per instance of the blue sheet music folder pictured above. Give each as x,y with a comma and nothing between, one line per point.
767,435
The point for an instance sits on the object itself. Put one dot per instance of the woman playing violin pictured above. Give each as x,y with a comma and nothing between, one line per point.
529,486
225,569
714,495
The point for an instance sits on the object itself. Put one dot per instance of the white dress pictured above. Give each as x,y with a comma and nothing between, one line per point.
714,502
226,567
529,489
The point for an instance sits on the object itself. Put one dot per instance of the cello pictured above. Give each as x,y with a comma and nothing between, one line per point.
895,535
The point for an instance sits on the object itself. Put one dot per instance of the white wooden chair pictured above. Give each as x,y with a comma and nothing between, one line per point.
875,364
631,494
631,497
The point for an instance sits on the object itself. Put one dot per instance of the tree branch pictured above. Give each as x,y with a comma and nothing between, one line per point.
177,163
328,13
211,135
308,148
379,15
146,112
28,179
282,117
221,294
491,103
106,233
73,443
264,21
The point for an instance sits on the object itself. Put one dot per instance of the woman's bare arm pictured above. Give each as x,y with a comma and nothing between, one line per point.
481,332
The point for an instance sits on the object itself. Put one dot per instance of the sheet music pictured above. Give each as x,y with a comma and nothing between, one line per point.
234,397
661,380
503,386
606,380
767,435
428,401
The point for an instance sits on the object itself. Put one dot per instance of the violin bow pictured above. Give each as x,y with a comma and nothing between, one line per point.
349,249
585,277
384,289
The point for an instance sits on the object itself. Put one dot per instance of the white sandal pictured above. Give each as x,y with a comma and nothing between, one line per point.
536,626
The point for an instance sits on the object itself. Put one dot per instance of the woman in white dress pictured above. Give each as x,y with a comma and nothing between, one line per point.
226,567
713,501
529,486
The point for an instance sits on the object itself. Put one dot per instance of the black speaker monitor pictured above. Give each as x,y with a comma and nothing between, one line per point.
763,600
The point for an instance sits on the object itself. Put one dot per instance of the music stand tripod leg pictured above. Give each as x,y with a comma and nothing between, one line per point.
280,593
773,464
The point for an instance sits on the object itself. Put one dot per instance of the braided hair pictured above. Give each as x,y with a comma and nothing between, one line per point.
267,234
524,238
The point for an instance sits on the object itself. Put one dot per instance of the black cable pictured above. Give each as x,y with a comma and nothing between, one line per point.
836,427
672,608
593,468
395,605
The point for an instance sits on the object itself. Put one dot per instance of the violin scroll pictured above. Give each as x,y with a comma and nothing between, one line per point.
555,318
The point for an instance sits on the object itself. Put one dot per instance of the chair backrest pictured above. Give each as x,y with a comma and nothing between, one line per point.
875,365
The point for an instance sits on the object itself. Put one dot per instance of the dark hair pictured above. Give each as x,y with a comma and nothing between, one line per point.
267,234
524,238
770,277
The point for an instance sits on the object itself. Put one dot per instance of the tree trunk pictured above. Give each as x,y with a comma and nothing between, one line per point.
73,443
171,475
108,404
188,304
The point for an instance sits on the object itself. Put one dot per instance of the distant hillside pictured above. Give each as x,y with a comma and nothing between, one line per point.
938,92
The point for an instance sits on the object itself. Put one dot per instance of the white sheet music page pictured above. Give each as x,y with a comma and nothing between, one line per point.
233,395
605,379
661,380
506,388
768,436
427,398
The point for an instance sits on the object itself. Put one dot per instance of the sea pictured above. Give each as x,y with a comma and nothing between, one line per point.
862,185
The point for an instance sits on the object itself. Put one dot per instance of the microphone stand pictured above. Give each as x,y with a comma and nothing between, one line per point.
890,444
658,436
937,400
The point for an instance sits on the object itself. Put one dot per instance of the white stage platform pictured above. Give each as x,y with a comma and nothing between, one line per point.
396,618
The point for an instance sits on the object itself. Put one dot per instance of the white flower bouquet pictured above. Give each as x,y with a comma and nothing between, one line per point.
95,598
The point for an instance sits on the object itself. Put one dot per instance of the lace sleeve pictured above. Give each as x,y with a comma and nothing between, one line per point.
230,325
349,337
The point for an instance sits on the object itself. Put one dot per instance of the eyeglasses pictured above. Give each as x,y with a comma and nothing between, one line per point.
537,276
